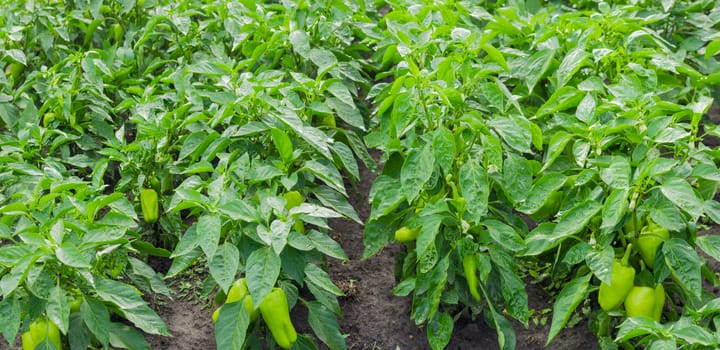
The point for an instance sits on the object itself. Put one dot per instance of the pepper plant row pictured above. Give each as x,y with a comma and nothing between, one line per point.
519,141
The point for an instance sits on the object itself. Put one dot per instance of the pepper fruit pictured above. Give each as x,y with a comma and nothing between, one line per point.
645,301
621,282
292,200
239,291
276,314
470,268
659,302
149,205
40,330
405,234
651,236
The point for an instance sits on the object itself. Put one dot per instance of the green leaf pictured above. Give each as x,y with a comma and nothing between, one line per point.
10,308
570,65
684,264
323,59
712,210
667,215
208,229
189,241
239,210
682,194
70,255
694,334
567,301
712,48
378,233
515,131
535,67
495,55
300,43
517,177
283,144
473,183
125,337
17,56
326,172
511,286
231,326
443,146
416,171
134,308
182,262
541,191
347,159
323,323
321,279
505,331
504,235
347,112
617,174
58,308
555,148
439,330
326,298
563,98
613,210
600,262
710,244
634,327
326,245
79,336
330,198
262,270
575,219
224,265
585,111
97,318
429,227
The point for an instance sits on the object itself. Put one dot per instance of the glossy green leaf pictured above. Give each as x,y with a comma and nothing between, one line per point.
682,194
231,326
323,323
224,265
416,171
567,301
262,269
684,264
473,183
209,230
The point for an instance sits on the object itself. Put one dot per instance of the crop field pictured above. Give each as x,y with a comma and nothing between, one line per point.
342,174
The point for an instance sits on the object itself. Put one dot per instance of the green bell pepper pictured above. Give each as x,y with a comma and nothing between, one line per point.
622,281
276,314
239,292
651,237
40,330
470,268
645,301
149,204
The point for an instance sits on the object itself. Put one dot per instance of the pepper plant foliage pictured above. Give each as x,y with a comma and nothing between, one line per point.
547,136
221,108
515,136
